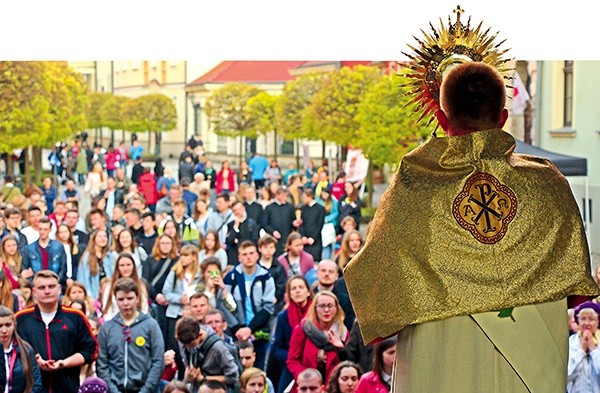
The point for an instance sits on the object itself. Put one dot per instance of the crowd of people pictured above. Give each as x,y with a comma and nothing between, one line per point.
214,280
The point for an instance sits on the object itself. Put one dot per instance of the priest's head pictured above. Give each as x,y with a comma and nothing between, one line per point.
472,98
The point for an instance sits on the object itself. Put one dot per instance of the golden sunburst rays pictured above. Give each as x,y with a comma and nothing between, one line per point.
436,53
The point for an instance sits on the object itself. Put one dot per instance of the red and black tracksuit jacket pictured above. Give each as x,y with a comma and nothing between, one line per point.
67,334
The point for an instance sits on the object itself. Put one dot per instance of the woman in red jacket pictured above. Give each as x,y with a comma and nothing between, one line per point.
379,380
318,340
147,187
112,159
225,181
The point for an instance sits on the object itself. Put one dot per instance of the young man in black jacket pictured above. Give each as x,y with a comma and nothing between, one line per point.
61,336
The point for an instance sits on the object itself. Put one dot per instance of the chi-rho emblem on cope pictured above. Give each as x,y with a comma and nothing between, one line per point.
485,208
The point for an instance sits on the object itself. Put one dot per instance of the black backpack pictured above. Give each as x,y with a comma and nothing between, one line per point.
197,357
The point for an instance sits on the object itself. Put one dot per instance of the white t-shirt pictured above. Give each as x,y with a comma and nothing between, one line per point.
47,317
31,234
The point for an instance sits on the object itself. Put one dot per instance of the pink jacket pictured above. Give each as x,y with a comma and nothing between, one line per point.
219,181
111,160
370,383
307,262
147,186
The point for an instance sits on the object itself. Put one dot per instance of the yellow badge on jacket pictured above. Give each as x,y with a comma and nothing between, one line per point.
140,341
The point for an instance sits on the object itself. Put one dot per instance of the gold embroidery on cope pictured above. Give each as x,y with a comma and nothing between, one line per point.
485,208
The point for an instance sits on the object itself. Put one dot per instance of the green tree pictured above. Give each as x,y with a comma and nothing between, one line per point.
261,108
291,108
112,116
41,103
334,106
69,103
24,103
226,113
387,128
94,114
154,113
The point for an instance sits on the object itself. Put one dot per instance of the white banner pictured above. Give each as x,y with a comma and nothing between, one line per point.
356,165
520,95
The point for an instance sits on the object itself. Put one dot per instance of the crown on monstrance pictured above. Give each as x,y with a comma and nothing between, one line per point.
438,52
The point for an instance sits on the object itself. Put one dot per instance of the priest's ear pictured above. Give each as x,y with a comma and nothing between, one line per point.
503,117
442,119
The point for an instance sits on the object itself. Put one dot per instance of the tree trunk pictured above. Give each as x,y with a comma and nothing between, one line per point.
10,165
528,123
344,153
241,149
370,185
149,141
37,163
323,142
112,137
275,144
26,175
157,141
297,146
123,135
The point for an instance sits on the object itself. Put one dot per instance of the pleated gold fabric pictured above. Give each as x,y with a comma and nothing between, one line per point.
421,264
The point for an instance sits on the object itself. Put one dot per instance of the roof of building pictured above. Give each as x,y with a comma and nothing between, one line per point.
249,71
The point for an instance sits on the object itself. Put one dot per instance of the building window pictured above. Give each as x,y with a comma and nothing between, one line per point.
568,94
287,147
222,144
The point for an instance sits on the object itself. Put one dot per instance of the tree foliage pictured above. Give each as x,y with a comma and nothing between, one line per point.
290,109
40,103
24,103
151,112
105,110
226,110
69,103
334,106
387,129
261,110
111,112
94,115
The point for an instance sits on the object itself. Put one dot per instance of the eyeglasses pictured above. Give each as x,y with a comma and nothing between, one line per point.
127,333
326,306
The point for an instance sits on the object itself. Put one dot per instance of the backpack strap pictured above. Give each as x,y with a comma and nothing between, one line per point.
206,346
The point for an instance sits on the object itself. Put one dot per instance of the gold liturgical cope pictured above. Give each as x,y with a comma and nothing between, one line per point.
467,226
